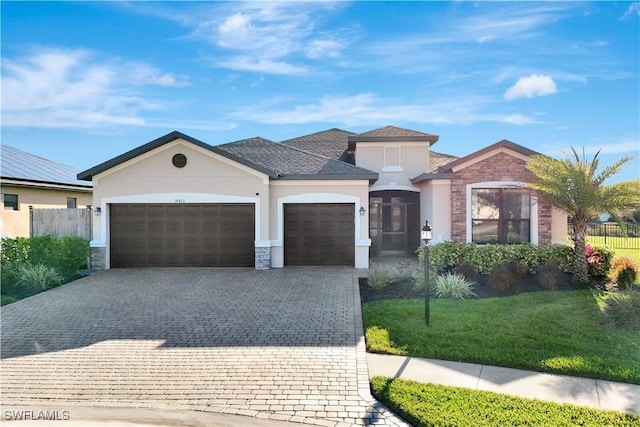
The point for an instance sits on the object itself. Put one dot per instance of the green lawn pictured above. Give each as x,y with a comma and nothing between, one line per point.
553,331
436,405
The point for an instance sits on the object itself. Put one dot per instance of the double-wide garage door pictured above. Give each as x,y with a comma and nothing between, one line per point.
319,234
182,235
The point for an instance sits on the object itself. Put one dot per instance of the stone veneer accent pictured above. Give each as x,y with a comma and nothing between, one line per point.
98,257
263,258
500,167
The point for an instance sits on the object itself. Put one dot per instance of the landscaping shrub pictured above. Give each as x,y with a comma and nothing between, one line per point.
38,277
504,275
468,271
454,286
624,271
550,276
436,405
448,256
65,254
6,299
381,276
622,309
559,254
598,260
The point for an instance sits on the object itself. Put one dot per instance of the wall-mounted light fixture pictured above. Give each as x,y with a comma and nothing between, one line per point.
362,211
98,211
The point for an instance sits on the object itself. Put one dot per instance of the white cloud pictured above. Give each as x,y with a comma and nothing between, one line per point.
633,9
267,66
517,119
369,109
265,37
75,88
531,86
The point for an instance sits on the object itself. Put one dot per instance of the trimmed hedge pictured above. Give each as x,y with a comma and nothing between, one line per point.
446,256
437,405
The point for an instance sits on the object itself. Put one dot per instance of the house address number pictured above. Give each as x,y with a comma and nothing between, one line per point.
179,201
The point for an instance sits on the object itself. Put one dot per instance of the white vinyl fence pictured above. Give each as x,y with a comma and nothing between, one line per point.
61,222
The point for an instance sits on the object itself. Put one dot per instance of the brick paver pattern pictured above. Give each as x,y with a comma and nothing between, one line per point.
283,344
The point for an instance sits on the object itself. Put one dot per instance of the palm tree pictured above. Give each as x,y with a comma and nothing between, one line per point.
576,186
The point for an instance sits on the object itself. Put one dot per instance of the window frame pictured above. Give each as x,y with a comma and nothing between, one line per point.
74,201
533,207
11,206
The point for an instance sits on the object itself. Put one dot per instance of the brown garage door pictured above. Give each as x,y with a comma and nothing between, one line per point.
319,234
182,235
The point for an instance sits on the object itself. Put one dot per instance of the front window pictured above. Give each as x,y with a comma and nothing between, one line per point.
500,215
71,202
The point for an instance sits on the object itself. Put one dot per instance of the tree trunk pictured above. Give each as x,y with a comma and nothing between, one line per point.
580,269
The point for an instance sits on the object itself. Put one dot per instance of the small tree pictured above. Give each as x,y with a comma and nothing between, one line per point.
576,186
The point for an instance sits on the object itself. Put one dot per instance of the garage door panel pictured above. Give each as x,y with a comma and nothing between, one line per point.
182,235
319,234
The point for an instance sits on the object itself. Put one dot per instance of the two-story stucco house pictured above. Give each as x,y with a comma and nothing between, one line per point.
329,198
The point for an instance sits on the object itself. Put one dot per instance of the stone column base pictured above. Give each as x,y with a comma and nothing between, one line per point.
263,258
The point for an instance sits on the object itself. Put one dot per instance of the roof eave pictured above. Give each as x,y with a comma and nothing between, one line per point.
353,139
373,177
90,173
23,182
431,176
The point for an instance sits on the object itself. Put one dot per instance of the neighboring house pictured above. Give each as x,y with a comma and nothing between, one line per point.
27,181
329,198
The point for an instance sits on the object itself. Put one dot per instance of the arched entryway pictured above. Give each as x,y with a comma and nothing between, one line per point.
394,222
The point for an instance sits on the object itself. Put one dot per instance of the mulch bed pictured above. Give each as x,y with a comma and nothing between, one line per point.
408,289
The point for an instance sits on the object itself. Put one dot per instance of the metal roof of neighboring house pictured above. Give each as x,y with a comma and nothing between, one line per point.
332,143
292,163
22,166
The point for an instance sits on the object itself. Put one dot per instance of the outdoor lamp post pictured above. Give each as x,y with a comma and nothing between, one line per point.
426,238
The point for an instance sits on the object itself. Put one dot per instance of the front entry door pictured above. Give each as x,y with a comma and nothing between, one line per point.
394,223
389,225
394,228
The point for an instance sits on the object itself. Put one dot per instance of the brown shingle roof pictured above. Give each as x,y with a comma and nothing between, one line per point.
391,133
438,160
291,163
331,143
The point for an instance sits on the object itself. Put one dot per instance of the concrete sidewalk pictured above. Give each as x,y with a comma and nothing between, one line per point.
597,394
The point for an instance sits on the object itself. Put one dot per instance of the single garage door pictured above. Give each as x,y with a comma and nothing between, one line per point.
319,234
182,235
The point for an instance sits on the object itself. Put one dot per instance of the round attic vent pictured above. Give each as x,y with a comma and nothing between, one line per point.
179,160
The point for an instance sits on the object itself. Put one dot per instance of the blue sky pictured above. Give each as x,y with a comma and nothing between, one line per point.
83,82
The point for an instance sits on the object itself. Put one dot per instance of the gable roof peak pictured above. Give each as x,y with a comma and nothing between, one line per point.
392,134
393,131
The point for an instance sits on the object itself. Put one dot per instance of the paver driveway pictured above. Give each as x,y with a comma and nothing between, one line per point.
283,344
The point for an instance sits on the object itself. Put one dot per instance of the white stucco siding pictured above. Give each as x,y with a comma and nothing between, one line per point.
396,162
321,191
559,226
206,178
435,206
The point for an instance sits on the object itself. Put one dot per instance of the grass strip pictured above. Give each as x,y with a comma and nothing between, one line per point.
556,331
